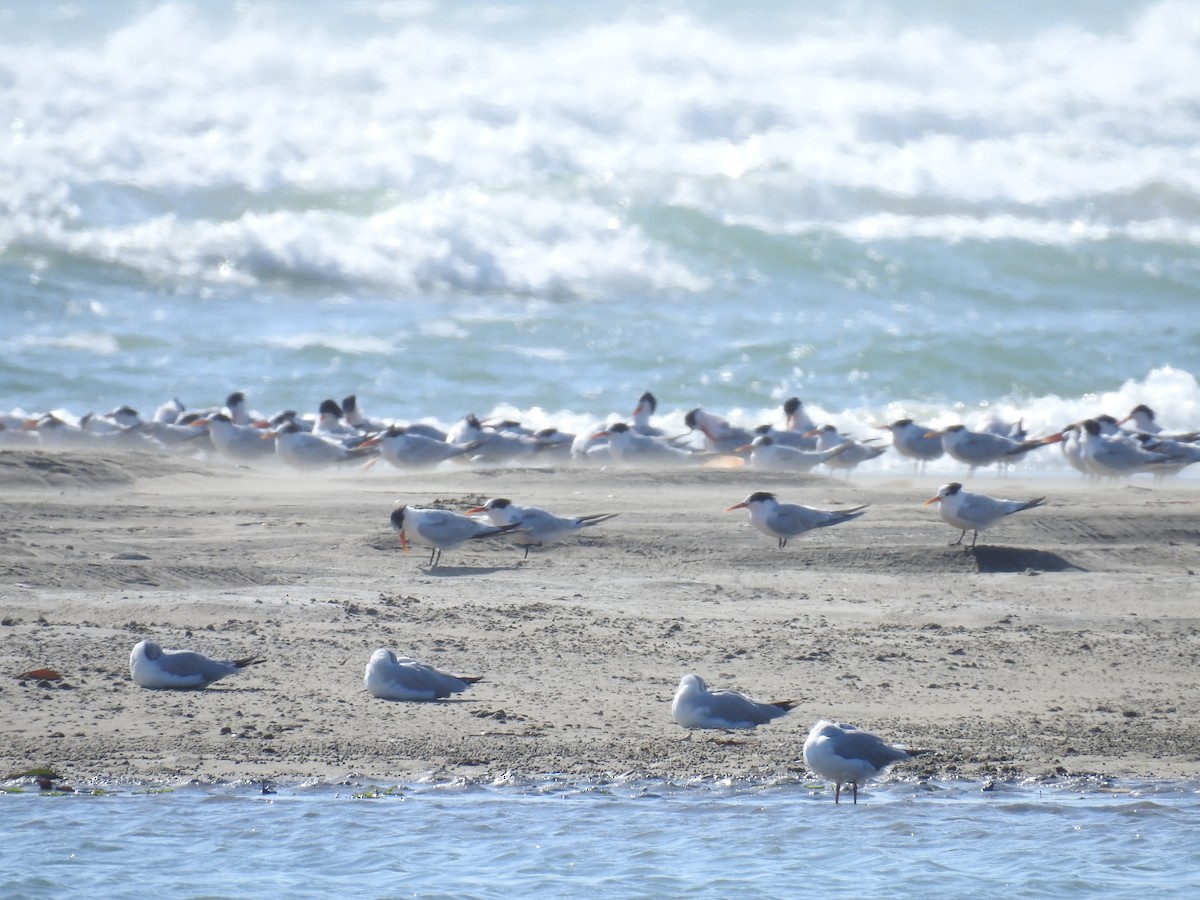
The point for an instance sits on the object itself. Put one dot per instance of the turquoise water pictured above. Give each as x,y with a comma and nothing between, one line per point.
896,208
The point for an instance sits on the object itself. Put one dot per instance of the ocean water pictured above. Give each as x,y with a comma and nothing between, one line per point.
605,840
913,208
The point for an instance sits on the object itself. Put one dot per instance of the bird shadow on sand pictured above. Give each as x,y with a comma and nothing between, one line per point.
1021,559
454,571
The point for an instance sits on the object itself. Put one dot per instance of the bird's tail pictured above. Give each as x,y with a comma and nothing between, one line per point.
1030,504
785,704
247,661
844,515
595,518
470,679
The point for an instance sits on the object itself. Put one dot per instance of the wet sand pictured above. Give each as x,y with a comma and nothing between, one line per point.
1067,643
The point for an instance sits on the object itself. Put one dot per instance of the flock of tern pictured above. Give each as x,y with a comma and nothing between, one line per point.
339,434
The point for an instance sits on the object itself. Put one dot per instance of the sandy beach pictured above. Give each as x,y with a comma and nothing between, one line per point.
1067,643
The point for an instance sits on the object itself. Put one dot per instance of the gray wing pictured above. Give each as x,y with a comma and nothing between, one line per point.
187,664
734,706
791,518
451,528
855,744
423,677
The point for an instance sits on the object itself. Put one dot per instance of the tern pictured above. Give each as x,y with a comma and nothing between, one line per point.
917,442
695,706
1144,422
853,453
845,755
389,677
153,667
975,512
718,434
982,448
646,406
406,449
440,529
795,418
310,450
536,527
627,447
787,520
1116,456
768,453
241,442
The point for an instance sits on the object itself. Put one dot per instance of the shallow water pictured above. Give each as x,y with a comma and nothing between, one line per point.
625,839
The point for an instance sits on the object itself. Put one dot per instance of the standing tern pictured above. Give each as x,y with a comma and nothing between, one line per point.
850,456
917,442
695,706
153,667
440,529
983,448
845,755
1116,456
536,527
787,520
975,512
389,677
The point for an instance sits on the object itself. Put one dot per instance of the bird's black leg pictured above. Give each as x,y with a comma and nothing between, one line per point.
855,785
960,538
782,543
974,538
527,546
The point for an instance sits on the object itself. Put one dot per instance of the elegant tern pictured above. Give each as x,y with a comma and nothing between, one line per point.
795,418
850,456
536,527
406,449
917,442
983,448
627,447
440,529
646,406
240,442
308,451
975,512
719,435
768,453
783,521
1118,455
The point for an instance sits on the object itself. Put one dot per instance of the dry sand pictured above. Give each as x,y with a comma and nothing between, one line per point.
1068,642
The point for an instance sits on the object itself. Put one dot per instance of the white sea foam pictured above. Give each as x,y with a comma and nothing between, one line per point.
427,156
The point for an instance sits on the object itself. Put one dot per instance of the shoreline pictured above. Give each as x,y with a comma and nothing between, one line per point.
1065,646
